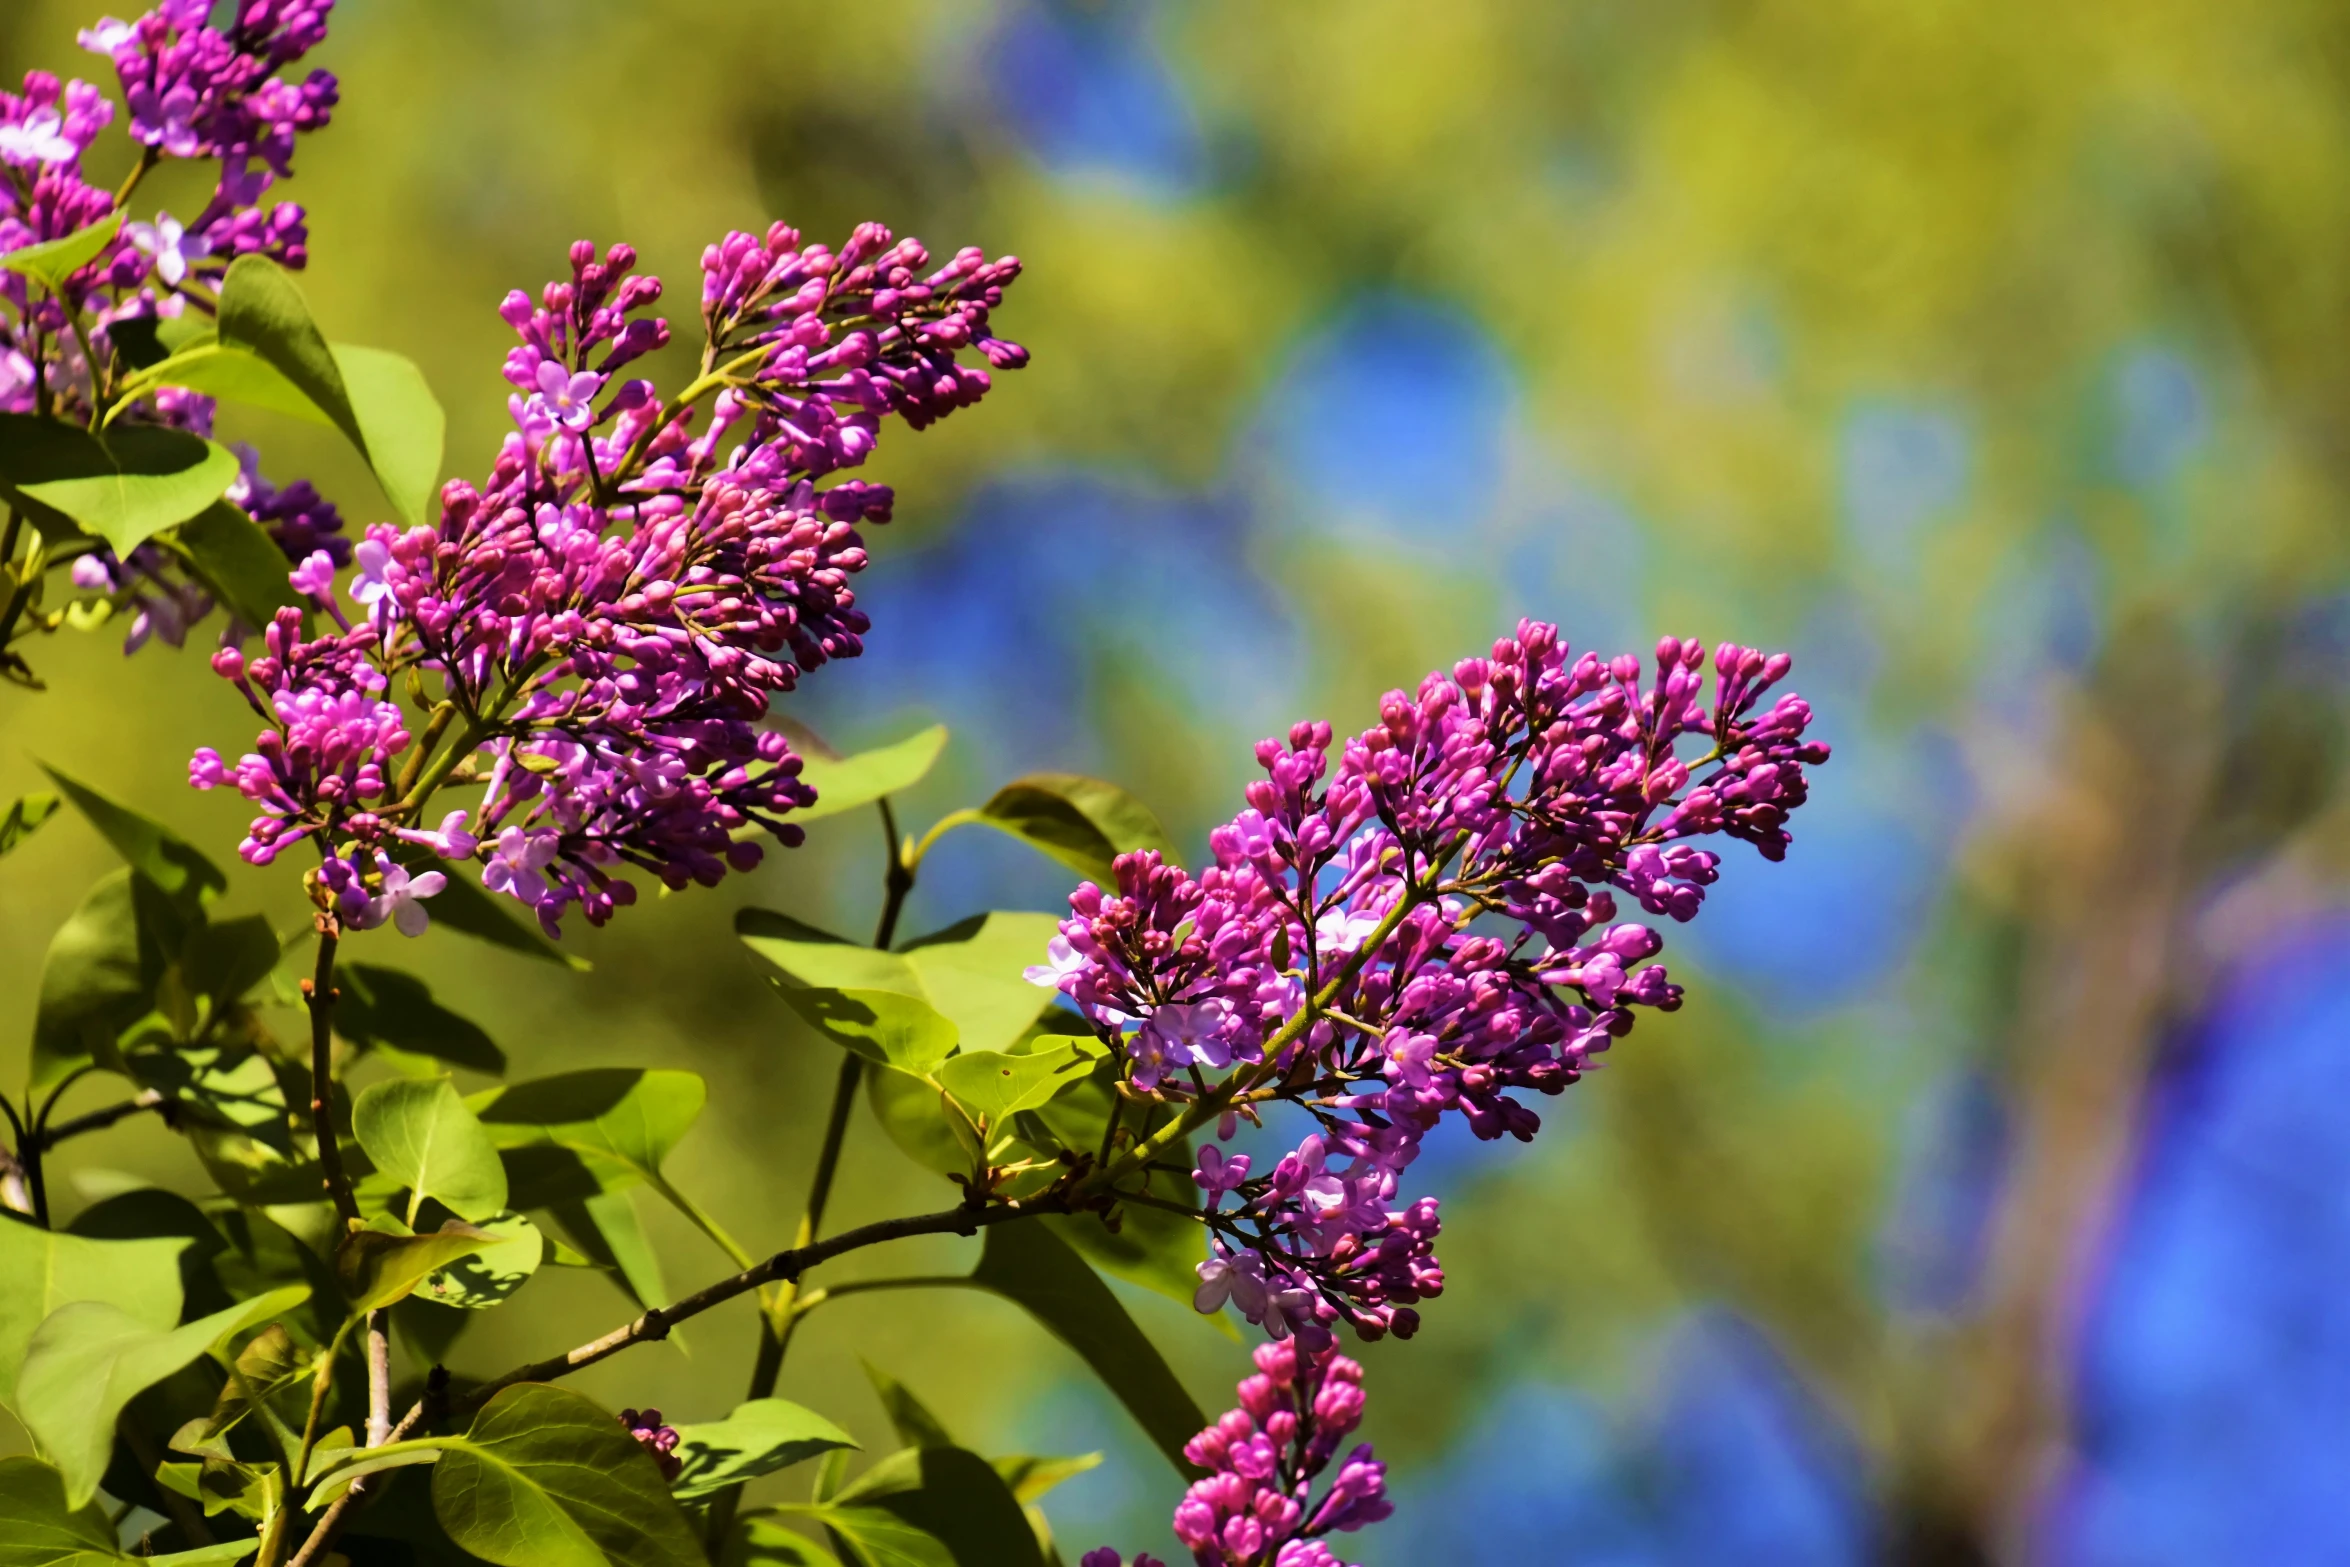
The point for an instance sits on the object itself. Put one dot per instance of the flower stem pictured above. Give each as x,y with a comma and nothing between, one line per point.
319,992
780,1318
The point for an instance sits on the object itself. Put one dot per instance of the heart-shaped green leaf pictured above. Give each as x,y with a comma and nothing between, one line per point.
89,1359
377,1267
970,974
421,1135
843,783
759,1438
487,1279
101,973
1083,823
43,1270
997,1086
619,1123
544,1478
124,487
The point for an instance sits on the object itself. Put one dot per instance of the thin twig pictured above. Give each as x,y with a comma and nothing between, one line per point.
319,991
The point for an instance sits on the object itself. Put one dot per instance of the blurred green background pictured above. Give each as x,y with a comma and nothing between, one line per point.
1990,1200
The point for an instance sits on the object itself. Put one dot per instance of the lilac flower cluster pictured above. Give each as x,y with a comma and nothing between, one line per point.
657,1438
194,92
1429,925
609,616
1256,1507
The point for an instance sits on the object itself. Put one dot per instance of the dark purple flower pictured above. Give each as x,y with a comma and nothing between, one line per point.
1337,952
660,1440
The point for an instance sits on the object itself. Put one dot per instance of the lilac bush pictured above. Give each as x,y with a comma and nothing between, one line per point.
508,701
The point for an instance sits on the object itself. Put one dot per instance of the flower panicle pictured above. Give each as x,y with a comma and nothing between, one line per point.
1420,921
1256,1506
609,615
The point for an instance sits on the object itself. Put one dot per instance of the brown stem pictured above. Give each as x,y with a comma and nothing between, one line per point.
330,1522
319,991
783,1267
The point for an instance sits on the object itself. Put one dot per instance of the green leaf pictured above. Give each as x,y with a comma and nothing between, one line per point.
52,261
234,374
377,399
998,1085
221,1555
544,1478
403,426
915,1425
263,312
330,1479
383,1006
954,1495
146,845
1027,1265
479,1282
842,783
38,1528
377,1268
759,1438
24,818
1031,1477
1082,822
758,1540
886,1027
607,1228
470,909
239,562
916,1115
1150,1246
421,1135
618,1123
130,484
89,1359
100,974
968,974
42,1271
223,960
877,1537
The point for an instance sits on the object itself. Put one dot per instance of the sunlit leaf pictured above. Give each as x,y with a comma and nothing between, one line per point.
1083,823
760,1540
488,1278
89,1359
843,783
544,1478
997,1085
402,423
125,486
618,1123
421,1135
377,1267
760,1437
969,975
43,1270
51,261
377,399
